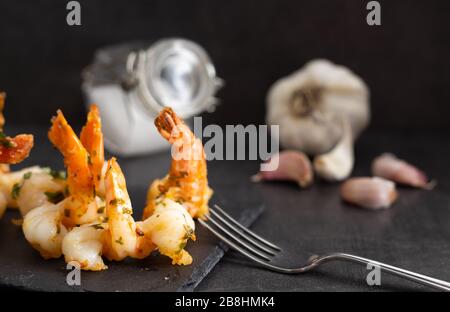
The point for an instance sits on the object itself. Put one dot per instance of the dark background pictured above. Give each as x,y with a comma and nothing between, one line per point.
405,61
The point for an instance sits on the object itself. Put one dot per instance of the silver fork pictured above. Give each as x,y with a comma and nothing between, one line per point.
275,258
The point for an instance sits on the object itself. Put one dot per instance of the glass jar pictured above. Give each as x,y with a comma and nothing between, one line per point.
131,84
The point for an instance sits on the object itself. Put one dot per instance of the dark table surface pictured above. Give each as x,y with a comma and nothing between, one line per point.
414,233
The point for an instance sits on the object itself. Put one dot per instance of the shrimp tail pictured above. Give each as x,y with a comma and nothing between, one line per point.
91,137
166,123
76,160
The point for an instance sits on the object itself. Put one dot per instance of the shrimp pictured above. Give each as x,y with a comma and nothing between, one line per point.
44,230
84,245
15,150
168,229
63,203
39,187
91,137
10,183
187,179
12,150
84,169
124,238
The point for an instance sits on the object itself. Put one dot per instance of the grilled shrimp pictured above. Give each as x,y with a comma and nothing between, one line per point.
12,150
84,245
37,186
168,229
64,203
91,137
187,179
44,230
9,186
124,237
83,163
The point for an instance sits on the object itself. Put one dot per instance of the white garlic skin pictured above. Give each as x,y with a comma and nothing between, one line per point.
369,192
341,94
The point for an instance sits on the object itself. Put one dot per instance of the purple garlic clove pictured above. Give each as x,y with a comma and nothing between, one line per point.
390,167
292,166
368,192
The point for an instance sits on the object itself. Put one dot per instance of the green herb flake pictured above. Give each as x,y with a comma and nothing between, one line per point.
57,174
119,241
181,246
5,141
127,210
98,226
54,197
189,232
15,192
27,175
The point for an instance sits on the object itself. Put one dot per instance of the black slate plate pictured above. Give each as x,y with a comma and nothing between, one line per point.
22,267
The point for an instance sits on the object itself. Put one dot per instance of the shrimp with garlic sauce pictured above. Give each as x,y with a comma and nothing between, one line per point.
84,165
187,181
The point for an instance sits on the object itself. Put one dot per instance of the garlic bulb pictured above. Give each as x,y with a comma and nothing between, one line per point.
309,104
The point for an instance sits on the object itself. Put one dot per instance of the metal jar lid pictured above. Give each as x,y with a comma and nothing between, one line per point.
176,73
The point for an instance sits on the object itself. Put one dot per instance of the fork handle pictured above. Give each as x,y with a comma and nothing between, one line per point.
412,276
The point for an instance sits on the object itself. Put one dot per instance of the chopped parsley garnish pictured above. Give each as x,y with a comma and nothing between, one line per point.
119,241
16,190
5,141
189,232
54,197
58,174
98,226
127,210
181,246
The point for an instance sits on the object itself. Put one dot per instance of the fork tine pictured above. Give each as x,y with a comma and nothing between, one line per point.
233,245
237,240
246,230
243,234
